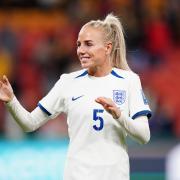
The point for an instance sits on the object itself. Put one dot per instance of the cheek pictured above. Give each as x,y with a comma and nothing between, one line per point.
77,51
98,52
101,56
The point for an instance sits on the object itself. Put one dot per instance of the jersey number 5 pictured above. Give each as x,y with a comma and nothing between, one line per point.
96,117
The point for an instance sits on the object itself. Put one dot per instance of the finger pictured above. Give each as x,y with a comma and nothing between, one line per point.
97,100
5,79
104,104
1,84
102,100
112,109
115,113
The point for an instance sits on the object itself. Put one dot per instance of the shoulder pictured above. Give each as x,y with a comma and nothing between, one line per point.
126,74
66,77
76,74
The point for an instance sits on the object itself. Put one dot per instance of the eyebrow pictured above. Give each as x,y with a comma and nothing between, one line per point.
85,41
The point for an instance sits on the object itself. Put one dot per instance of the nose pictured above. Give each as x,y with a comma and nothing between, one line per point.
81,50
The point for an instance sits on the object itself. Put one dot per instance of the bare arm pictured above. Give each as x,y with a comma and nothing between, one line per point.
138,128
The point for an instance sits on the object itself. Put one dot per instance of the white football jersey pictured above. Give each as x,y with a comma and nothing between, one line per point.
97,148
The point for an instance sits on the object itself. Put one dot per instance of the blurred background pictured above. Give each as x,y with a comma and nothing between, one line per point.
38,44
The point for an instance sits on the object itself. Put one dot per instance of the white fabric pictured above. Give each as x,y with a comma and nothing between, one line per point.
93,154
27,121
173,164
90,151
137,101
137,129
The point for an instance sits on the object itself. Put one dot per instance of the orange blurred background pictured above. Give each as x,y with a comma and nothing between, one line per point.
38,44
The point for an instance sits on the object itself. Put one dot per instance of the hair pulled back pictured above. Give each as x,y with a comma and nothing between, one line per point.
113,32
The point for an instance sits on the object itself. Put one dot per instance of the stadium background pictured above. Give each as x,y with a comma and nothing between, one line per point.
38,44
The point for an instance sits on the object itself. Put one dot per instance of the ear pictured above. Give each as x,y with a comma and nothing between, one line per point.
108,48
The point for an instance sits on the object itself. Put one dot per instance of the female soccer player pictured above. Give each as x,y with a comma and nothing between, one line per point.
104,103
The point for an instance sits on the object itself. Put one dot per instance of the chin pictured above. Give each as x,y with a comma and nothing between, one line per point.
85,66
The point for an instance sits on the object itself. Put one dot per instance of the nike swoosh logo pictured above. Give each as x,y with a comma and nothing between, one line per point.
75,98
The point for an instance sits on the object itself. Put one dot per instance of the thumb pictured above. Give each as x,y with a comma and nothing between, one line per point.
1,84
5,79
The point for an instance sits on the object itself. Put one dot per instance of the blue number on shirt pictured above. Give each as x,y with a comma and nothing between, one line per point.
96,117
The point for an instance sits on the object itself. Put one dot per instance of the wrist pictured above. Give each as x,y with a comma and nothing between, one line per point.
117,114
10,99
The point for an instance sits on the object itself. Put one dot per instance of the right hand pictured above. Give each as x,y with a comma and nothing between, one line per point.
109,106
6,91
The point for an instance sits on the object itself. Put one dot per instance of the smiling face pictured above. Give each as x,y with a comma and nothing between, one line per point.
92,51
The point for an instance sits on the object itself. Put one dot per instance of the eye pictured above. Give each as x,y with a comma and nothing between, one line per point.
78,44
89,44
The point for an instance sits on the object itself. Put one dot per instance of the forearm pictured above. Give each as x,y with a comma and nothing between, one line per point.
26,120
138,128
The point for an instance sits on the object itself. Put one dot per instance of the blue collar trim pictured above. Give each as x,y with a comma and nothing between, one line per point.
112,72
83,74
115,74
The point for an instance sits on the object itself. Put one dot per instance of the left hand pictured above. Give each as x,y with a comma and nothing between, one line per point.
109,106
6,91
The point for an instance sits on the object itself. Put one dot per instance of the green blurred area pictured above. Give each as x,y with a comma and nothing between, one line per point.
44,159
147,176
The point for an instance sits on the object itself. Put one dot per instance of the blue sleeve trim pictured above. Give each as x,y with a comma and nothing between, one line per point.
142,113
83,74
44,110
115,74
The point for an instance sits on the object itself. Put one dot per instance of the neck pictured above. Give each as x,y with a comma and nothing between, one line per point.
99,71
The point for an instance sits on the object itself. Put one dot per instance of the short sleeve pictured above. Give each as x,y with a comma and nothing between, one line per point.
138,104
53,103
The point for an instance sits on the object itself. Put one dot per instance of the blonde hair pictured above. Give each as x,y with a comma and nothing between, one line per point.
113,31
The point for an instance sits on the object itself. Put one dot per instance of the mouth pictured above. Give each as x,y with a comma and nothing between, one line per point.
84,59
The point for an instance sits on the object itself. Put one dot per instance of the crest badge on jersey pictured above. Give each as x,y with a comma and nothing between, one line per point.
119,96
